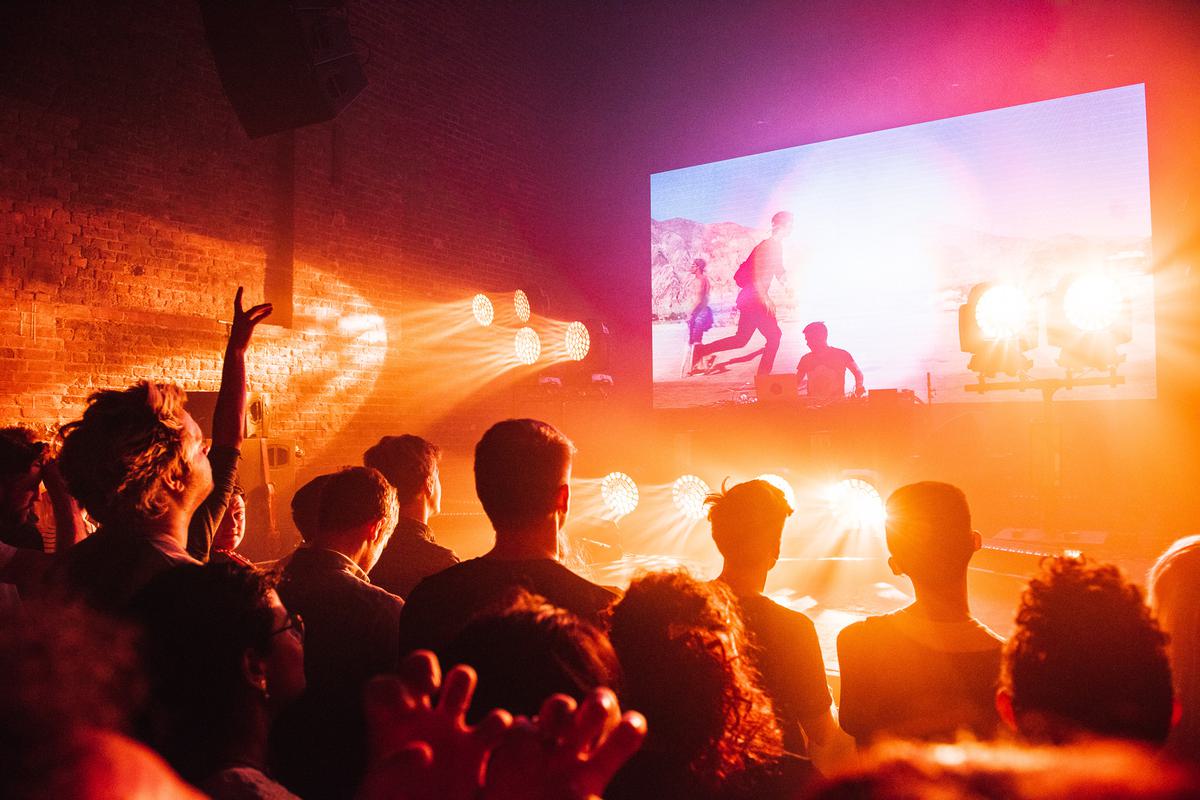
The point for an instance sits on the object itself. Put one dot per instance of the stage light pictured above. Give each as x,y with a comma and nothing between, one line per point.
521,305
780,483
528,345
688,493
1087,318
996,326
856,503
482,308
619,492
1093,302
578,341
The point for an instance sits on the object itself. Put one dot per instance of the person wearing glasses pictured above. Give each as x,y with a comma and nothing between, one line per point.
224,658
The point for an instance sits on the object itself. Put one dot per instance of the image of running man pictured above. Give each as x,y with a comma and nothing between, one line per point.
756,311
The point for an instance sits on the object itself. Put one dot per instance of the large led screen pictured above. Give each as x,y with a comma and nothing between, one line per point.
885,237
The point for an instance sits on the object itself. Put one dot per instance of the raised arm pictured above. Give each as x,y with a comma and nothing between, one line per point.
859,390
229,419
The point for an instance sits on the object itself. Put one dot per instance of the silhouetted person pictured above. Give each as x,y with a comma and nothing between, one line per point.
351,634
137,463
1086,659
930,669
522,477
712,732
747,524
224,658
228,428
526,650
825,367
755,307
410,463
25,465
1175,596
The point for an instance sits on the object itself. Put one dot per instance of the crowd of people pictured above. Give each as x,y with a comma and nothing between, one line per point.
146,657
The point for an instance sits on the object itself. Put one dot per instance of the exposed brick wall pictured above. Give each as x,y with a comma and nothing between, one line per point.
132,205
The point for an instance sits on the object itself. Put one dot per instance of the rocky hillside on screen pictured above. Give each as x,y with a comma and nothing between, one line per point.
676,243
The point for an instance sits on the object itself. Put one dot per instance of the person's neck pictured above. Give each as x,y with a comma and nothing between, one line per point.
172,525
356,550
416,510
539,541
744,580
942,602
246,746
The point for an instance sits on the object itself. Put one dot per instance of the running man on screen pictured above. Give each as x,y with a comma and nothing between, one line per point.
756,312
825,367
701,317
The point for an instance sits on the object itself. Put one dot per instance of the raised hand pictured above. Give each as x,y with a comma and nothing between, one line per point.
244,322
567,752
422,749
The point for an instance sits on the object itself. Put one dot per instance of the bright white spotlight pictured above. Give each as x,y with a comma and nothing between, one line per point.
578,341
481,307
528,345
619,492
780,483
1093,302
857,504
688,493
1002,312
521,304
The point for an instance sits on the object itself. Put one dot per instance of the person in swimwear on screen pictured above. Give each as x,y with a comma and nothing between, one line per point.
701,317
825,367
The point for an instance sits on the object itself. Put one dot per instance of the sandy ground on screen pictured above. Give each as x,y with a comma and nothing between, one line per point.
947,366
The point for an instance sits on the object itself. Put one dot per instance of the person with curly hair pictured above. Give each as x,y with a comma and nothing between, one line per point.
1087,659
1174,583
712,729
929,670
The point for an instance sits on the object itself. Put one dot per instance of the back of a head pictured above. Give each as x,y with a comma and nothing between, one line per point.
19,449
899,770
747,521
929,531
1174,583
197,621
408,462
1087,658
681,643
781,219
118,456
519,466
527,649
306,507
352,498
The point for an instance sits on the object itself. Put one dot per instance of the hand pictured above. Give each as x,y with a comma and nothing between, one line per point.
52,476
244,322
567,752
420,750
859,391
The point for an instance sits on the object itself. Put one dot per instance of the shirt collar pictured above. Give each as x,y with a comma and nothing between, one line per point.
414,527
342,560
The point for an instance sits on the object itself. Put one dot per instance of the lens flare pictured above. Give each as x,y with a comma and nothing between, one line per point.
528,345
481,307
856,504
1093,302
1002,312
620,493
521,305
578,341
688,493
780,483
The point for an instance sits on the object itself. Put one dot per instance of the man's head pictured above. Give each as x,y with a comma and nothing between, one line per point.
306,507
21,456
409,463
781,223
747,523
1087,659
816,335
699,265
357,516
522,474
136,456
232,530
929,533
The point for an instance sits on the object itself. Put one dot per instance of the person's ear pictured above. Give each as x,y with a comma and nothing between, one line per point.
562,499
254,669
976,541
379,530
895,568
1004,708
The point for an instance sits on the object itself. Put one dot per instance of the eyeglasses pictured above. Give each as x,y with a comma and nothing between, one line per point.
295,623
